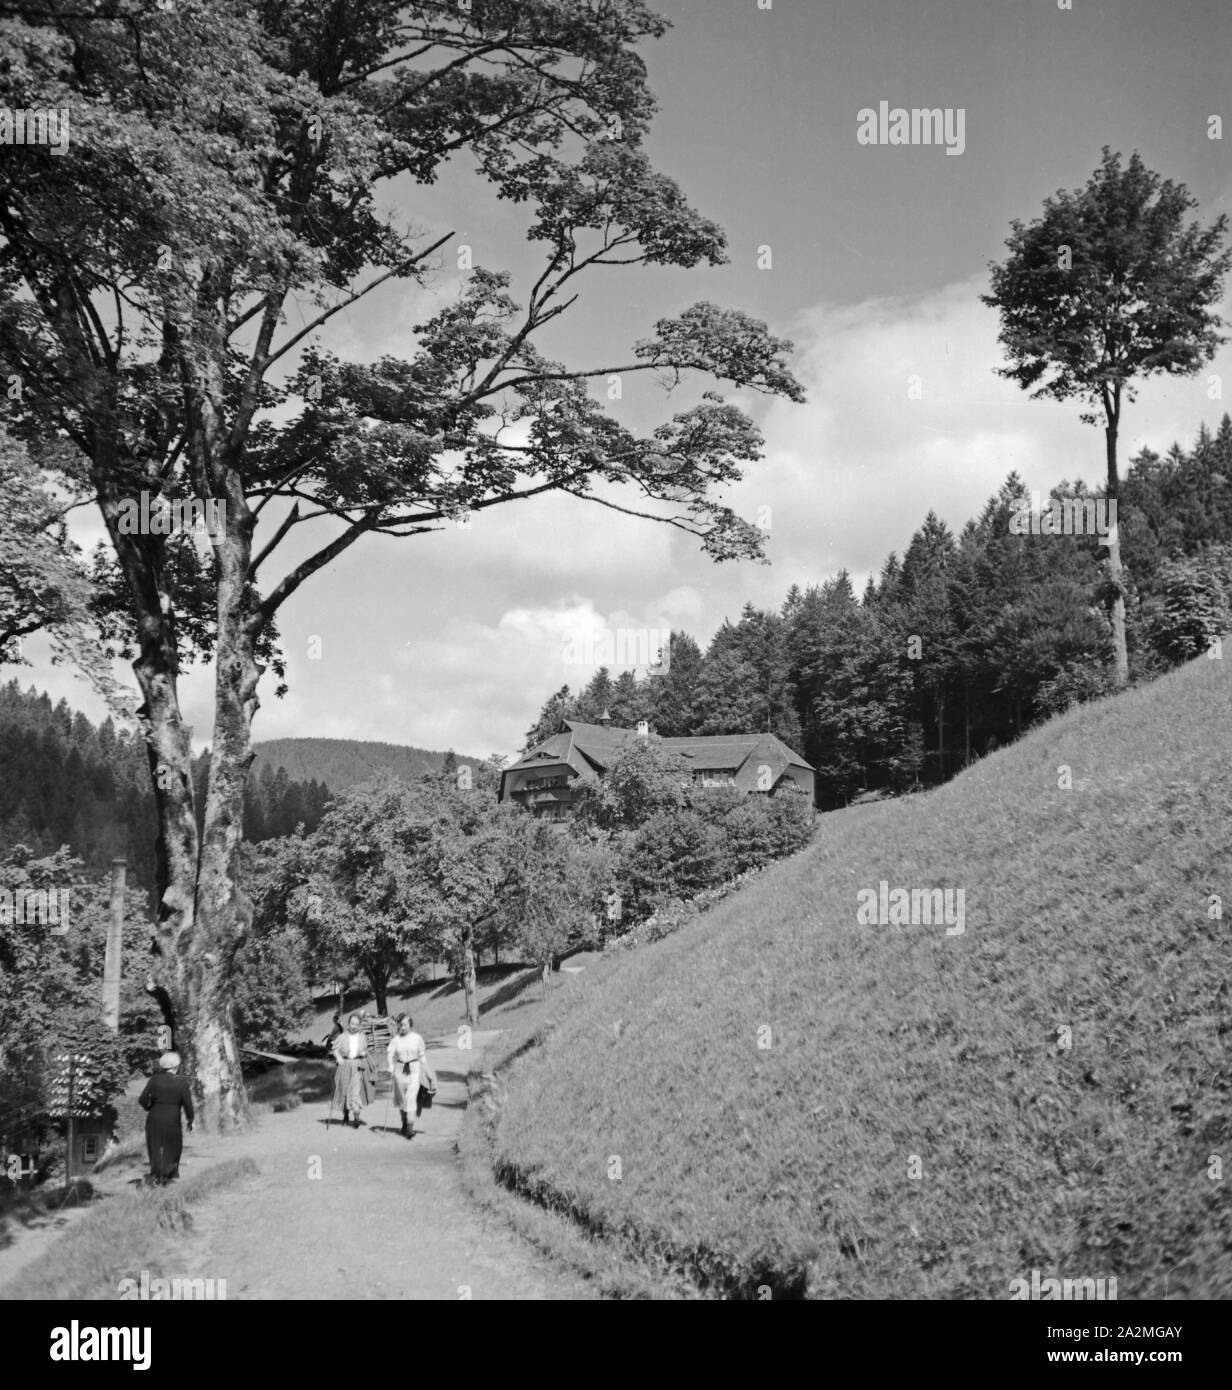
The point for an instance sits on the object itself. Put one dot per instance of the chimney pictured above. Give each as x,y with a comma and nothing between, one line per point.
643,728
606,717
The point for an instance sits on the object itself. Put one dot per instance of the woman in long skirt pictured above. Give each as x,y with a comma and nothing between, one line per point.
165,1095
408,1061
353,1077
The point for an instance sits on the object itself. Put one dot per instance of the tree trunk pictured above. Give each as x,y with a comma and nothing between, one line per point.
966,723
379,980
1120,657
168,748
224,911
468,976
941,735
203,913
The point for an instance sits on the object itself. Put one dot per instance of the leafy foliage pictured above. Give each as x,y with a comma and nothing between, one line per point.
50,1000
557,890
673,840
163,286
272,994
1195,603
1132,299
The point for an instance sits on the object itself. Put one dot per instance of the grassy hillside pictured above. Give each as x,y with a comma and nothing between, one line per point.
340,762
933,1114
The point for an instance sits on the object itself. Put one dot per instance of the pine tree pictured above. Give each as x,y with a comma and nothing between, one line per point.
631,700
596,699
673,694
726,698
924,586
552,716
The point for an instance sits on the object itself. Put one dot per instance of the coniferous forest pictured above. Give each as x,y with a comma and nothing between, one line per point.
959,644
69,782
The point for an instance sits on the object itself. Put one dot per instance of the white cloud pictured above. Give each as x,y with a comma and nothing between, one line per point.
850,475
507,669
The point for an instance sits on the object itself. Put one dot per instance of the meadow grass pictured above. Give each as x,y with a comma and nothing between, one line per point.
120,1237
930,1115
608,1268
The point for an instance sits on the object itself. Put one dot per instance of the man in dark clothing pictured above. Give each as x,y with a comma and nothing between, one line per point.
165,1095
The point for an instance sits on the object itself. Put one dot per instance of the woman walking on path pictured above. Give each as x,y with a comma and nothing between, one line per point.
166,1094
353,1077
408,1059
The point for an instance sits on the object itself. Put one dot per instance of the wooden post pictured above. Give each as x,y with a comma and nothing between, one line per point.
115,946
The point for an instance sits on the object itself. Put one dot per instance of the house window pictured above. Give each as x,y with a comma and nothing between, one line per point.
714,776
89,1148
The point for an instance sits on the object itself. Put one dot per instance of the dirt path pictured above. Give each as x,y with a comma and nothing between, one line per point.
385,1218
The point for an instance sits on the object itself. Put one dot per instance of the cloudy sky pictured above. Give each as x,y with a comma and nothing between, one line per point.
879,254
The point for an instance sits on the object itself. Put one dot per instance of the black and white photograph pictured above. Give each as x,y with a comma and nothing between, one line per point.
615,671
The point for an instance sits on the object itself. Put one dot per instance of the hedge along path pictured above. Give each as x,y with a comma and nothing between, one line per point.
344,1213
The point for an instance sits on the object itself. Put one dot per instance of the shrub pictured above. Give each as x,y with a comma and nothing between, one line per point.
1195,605
272,997
673,852
1075,684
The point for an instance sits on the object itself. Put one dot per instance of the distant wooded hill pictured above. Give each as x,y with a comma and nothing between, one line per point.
340,763
64,781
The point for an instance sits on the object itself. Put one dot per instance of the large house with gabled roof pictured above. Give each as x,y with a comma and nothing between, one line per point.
545,779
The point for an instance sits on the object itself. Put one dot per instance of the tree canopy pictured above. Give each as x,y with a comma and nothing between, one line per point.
164,284
1108,286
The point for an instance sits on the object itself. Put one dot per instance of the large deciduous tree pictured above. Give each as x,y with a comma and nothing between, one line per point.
1110,285
163,282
